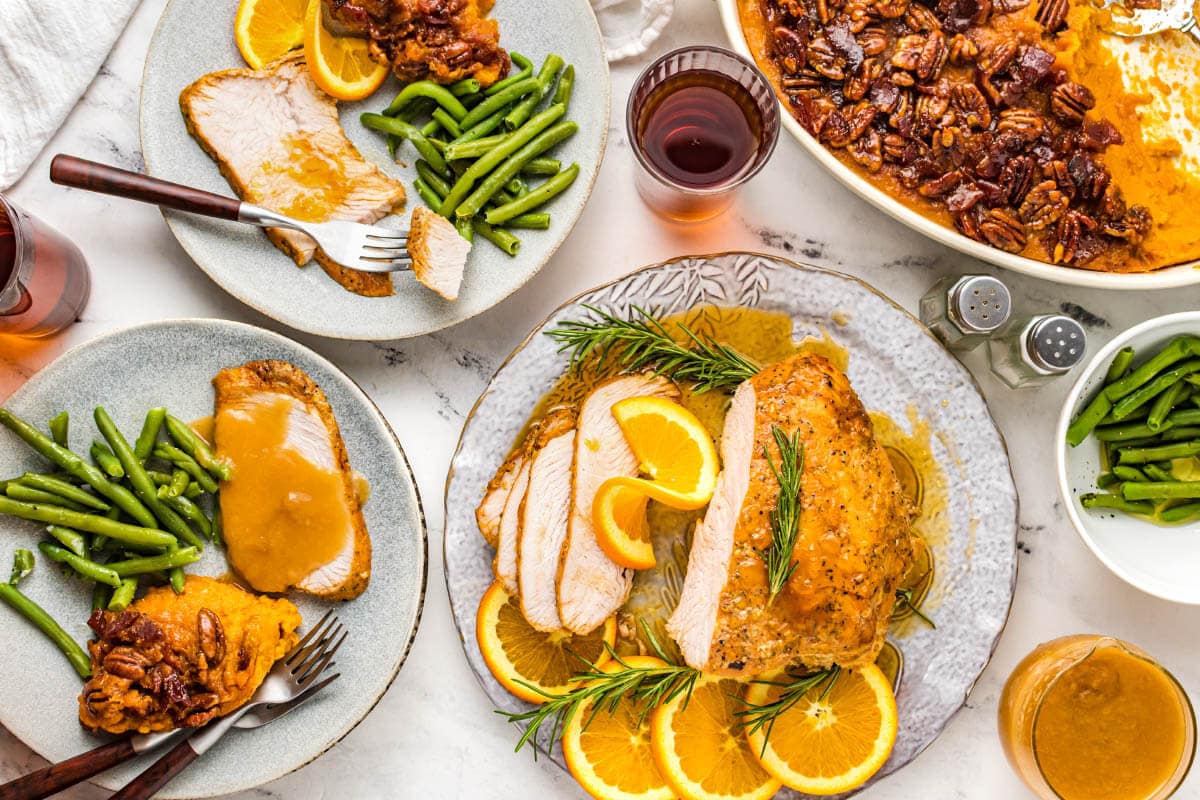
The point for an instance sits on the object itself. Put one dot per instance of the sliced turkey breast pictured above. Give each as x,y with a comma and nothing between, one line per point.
854,543
544,515
491,508
591,587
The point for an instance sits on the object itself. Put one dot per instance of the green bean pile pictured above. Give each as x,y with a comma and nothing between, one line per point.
1147,420
135,512
481,145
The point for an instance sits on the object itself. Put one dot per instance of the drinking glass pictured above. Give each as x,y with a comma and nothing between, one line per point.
44,280
677,71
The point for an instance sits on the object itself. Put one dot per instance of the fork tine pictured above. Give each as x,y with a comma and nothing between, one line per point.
315,652
304,640
301,654
316,669
384,249
387,260
382,238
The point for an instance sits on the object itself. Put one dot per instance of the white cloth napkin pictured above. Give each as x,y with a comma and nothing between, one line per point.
49,52
630,26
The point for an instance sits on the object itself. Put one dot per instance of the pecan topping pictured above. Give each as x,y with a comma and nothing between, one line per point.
1069,233
825,59
908,52
963,50
897,148
1043,206
997,57
1070,101
212,637
973,107
1060,173
1091,177
1015,178
873,40
1052,14
804,79
1003,231
790,48
859,83
921,18
867,150
1020,125
126,663
933,56
891,9
942,185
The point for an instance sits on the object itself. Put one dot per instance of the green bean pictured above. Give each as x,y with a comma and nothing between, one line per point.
85,567
539,196
146,440
475,148
545,79
507,95
427,195
1140,414
497,236
1186,416
1142,455
1180,513
433,180
105,459
542,166
526,71
1162,490
517,186
92,523
511,165
1181,434
1119,366
159,477
123,595
431,129
60,426
1178,349
190,442
27,494
465,228
483,168
177,579
1156,473
1129,474
482,129
566,85
142,485
1087,421
465,87
407,131
165,561
178,485
534,221
446,122
22,565
1151,389
192,513
192,491
1107,480
188,464
438,94
46,624
1163,404
1133,430
1115,502
73,540
100,594
418,108
218,527
61,488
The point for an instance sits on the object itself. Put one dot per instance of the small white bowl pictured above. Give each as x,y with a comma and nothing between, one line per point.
1160,560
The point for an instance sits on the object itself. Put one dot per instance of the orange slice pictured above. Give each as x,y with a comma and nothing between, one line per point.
831,744
517,654
341,65
266,29
673,447
700,746
610,755
619,516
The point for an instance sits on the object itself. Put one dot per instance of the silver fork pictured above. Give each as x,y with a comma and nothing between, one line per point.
367,248
292,680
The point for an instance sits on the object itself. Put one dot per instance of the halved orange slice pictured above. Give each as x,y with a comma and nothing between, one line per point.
341,65
610,754
517,654
266,29
829,742
619,516
672,447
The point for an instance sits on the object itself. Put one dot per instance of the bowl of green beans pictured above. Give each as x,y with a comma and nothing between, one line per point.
1128,456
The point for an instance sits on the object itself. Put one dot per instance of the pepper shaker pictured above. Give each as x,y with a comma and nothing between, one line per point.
964,310
1037,350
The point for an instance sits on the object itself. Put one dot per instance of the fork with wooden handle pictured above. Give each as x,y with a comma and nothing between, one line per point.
314,653
367,248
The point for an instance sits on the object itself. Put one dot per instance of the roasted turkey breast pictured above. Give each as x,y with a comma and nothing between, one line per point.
277,139
854,542
544,515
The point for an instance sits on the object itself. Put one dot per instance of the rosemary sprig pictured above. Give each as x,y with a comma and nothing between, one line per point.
755,717
905,598
648,687
785,518
645,343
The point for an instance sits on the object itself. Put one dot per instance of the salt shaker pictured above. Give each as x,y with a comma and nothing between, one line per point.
1037,350
964,310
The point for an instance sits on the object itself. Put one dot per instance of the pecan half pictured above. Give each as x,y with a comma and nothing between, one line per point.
933,56
963,50
867,150
1052,14
972,106
1003,231
1068,235
873,40
212,637
1091,177
1021,125
1016,177
1132,227
1043,206
837,132
891,9
125,662
823,58
908,51
1060,173
859,82
942,185
897,148
790,47
997,57
804,79
921,18
1070,101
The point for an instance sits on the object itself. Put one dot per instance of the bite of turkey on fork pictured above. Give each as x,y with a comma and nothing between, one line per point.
438,252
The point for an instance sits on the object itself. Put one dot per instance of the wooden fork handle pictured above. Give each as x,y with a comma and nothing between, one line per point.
102,178
56,777
159,774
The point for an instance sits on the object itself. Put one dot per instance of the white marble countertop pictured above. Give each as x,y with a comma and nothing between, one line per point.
434,734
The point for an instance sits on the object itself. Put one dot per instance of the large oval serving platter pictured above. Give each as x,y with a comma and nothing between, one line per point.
1180,275
195,37
171,364
897,368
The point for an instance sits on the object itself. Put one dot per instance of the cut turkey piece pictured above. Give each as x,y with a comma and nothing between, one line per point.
854,543
556,422
591,587
544,515
491,508
277,139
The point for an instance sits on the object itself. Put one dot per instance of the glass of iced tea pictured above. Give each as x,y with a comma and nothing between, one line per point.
1095,718
702,121
44,280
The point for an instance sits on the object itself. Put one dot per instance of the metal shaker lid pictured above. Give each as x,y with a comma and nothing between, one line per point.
1056,343
979,304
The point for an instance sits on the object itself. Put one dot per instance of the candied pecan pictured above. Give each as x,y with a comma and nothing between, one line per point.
860,118
811,112
948,138
804,79
790,47
932,103
891,9
1090,176
1060,173
1098,134
908,52
125,662
857,84
1068,235
903,115
212,637
1070,101
842,40
933,56
873,40
965,196
885,95
867,150
859,13
1022,125
921,18
942,185
823,12
1043,206
968,223
960,15
1132,227
837,132
963,50
897,148
823,58
997,57
973,107
1003,231
1052,14
1112,205
1010,6
901,78
1015,178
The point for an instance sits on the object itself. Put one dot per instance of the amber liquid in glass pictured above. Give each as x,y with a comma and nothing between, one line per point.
53,289
700,129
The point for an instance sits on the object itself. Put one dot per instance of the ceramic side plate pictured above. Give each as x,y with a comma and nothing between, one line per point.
195,37
897,368
171,364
